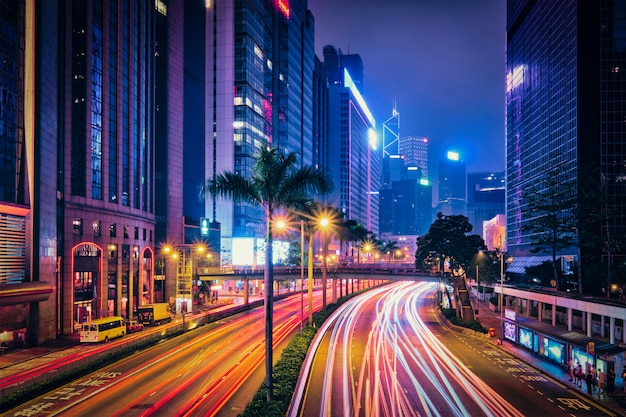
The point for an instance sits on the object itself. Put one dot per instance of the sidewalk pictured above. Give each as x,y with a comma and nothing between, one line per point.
616,402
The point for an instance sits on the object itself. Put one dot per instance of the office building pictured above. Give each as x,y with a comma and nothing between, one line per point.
493,233
486,192
78,184
260,65
393,168
353,155
406,207
565,102
414,150
452,180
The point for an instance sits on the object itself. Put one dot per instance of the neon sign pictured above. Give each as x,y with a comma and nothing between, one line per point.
283,6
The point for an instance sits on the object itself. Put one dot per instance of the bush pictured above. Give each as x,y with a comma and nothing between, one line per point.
287,370
285,375
475,325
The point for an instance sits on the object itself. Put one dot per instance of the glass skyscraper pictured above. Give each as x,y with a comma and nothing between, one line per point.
353,155
566,111
260,63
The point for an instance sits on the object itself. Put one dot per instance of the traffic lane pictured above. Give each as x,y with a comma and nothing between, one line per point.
434,380
377,384
314,396
162,366
526,388
240,399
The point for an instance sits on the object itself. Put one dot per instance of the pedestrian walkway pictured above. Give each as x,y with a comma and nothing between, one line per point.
488,318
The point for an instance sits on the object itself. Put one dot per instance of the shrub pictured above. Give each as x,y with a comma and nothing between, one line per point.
287,370
475,325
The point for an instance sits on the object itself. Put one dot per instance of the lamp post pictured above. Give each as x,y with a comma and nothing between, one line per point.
501,298
301,275
184,254
324,222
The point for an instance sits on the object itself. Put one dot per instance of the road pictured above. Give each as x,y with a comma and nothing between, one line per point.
386,354
193,374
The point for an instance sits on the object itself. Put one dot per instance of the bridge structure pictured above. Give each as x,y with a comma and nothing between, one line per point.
396,272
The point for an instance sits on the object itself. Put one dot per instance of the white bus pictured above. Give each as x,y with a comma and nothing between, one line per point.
102,330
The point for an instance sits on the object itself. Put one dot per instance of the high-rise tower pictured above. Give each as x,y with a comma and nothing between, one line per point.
566,104
260,63
354,161
77,195
452,180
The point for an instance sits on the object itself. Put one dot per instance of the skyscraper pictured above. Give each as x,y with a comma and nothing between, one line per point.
486,192
452,180
354,160
566,102
414,149
258,92
78,191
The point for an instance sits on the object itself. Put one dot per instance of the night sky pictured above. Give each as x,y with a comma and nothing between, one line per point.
442,61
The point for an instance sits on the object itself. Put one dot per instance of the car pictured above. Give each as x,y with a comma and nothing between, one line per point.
134,326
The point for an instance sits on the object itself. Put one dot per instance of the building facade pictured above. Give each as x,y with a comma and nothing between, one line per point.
452,185
81,162
353,155
414,149
566,102
260,64
486,193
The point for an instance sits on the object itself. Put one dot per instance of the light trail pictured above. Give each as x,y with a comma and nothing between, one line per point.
403,369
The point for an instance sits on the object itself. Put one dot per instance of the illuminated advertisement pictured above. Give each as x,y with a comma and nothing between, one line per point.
553,350
509,331
526,338
580,357
243,251
510,314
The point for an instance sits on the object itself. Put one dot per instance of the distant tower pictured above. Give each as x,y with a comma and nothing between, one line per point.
486,192
452,180
414,149
391,134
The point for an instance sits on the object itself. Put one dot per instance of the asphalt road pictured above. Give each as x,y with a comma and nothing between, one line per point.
193,374
386,354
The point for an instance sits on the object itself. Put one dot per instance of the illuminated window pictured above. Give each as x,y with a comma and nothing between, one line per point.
96,227
77,225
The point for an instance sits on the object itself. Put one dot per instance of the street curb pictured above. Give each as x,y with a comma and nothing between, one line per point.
477,335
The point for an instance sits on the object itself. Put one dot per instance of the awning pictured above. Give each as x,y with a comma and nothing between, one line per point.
519,265
26,292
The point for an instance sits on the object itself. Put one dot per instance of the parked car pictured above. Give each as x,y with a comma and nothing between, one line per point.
133,326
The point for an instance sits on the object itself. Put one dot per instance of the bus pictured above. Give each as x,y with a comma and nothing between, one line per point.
103,329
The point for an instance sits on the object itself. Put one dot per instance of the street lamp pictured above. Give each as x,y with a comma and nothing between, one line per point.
367,248
282,225
501,298
301,275
184,271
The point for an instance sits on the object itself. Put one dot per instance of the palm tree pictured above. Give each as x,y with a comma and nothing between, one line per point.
275,183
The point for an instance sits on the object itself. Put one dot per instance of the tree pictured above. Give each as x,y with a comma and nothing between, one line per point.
388,247
350,231
549,216
448,235
275,183
488,263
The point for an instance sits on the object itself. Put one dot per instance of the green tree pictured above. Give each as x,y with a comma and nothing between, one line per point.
388,247
449,236
549,215
488,263
276,183
350,231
